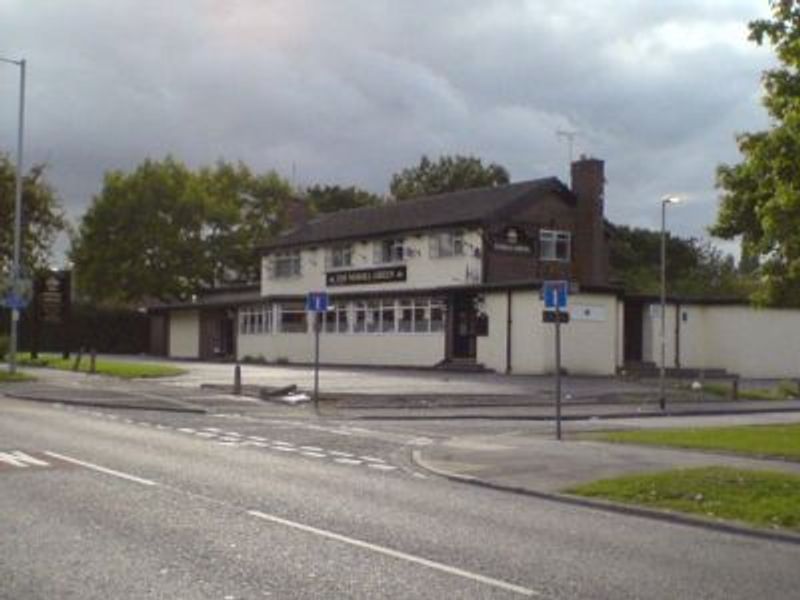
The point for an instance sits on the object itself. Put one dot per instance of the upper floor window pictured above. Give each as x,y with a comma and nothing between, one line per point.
448,243
389,251
340,257
554,245
285,265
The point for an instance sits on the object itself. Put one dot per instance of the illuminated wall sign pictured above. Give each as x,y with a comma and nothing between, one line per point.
366,276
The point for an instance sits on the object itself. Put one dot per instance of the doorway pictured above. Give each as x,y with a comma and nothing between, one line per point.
464,327
634,313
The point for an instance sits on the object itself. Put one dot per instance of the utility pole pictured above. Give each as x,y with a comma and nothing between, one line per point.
15,267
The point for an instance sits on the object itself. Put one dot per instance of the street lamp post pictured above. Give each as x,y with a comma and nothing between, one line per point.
662,401
15,266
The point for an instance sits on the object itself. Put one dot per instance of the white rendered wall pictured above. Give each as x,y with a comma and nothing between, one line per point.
422,270
184,334
396,349
589,347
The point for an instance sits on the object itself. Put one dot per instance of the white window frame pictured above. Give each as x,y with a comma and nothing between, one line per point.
389,251
339,257
286,265
291,308
255,319
550,240
446,244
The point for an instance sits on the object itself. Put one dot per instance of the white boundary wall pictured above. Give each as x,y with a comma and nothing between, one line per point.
397,349
751,342
591,343
184,334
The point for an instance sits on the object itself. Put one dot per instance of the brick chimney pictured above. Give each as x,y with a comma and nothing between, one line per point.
588,185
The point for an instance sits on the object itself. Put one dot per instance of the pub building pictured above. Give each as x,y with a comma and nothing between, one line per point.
447,280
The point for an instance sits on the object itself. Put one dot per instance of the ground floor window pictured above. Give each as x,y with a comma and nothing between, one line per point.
292,317
255,319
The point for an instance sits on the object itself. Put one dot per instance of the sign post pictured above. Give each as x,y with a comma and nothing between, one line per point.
316,304
555,294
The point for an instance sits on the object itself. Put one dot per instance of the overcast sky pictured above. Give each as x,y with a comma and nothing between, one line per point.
351,91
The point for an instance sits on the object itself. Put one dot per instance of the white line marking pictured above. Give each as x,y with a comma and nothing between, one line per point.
372,459
214,429
256,438
232,434
205,434
284,448
256,444
100,469
314,454
398,554
226,443
280,443
347,461
17,458
381,467
186,430
229,439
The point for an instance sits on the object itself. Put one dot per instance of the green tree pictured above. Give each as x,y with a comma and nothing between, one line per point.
761,195
694,268
143,236
42,216
331,198
447,174
243,210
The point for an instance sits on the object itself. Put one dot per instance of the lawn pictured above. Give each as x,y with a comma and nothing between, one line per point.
760,498
124,370
6,377
785,390
778,441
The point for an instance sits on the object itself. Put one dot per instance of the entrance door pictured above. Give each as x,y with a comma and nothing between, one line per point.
633,330
464,338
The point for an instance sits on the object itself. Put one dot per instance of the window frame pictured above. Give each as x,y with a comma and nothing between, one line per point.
552,240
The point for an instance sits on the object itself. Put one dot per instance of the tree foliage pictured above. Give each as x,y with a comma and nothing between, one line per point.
331,198
761,195
42,216
164,231
694,268
447,174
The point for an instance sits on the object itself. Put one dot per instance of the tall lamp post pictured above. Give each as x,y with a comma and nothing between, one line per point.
662,401
15,267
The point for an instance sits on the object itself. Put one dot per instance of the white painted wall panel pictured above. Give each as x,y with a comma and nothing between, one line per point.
184,334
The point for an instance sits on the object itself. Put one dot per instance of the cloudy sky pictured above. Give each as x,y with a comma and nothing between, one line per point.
351,91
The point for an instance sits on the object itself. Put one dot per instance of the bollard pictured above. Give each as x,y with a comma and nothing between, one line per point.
237,380
92,361
735,389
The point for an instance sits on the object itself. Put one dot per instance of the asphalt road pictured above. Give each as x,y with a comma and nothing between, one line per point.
149,505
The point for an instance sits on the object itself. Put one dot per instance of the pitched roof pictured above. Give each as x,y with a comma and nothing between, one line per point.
454,208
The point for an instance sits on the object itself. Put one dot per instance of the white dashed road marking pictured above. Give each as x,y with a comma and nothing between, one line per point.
431,564
347,461
100,469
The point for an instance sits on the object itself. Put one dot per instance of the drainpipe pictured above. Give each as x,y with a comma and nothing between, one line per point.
508,331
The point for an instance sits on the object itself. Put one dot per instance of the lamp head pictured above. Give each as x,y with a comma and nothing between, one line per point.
671,199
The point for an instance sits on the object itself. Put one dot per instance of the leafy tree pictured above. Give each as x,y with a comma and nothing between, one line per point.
761,195
243,211
42,217
165,231
142,237
694,268
331,198
448,174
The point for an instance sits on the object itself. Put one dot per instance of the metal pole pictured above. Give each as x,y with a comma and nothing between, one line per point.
317,327
558,366
662,401
15,267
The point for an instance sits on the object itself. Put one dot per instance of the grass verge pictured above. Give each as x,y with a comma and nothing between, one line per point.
124,370
785,390
777,441
6,377
759,498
